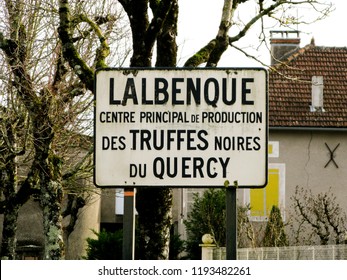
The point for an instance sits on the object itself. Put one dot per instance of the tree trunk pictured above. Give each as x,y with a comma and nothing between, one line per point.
8,183
51,192
166,42
154,222
9,241
50,201
153,204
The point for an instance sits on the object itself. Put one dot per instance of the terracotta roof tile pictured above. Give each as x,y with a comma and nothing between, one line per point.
290,89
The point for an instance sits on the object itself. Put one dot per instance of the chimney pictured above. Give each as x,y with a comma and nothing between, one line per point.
317,94
283,44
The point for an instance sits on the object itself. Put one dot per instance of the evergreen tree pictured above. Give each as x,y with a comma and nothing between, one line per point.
275,235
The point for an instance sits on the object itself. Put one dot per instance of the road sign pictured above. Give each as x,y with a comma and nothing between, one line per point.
181,127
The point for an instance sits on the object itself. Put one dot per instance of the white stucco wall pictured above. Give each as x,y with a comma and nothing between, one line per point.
305,156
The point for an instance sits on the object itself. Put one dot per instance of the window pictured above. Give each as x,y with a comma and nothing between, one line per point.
273,149
119,202
188,199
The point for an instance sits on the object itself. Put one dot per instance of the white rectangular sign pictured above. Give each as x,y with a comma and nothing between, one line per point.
181,127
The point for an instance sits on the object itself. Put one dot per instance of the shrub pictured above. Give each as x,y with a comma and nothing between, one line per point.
107,246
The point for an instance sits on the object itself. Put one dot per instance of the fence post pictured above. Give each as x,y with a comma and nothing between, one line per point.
207,247
313,254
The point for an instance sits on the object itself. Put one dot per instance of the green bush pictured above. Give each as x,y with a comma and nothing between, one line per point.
107,246
206,216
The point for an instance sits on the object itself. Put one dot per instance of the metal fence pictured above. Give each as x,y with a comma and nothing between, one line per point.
328,252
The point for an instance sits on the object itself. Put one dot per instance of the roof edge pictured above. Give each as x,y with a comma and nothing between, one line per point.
308,128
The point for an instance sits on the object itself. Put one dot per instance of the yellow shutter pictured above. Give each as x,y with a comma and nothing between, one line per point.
270,149
262,200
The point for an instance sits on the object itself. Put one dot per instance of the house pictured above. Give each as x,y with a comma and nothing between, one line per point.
308,119
307,128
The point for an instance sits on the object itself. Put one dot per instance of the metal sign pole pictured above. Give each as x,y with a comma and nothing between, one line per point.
231,221
129,224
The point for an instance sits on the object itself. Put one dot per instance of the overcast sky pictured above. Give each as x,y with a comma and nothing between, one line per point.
199,25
